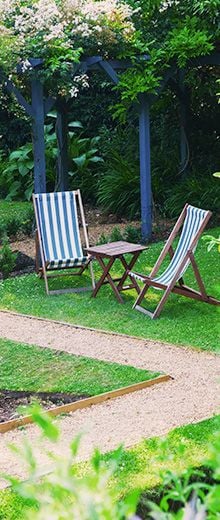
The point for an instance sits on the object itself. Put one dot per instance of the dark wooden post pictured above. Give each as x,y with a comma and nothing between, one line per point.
145,167
183,121
38,137
62,141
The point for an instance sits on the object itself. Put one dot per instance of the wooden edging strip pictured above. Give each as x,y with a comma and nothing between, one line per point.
84,403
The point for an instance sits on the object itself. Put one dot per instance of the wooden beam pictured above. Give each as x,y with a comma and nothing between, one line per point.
62,141
210,59
85,403
105,65
12,89
183,123
48,105
92,60
145,167
38,136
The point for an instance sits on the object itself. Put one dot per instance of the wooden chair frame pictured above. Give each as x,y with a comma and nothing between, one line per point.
42,270
177,285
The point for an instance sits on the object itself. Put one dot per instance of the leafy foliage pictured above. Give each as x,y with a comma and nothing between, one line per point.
62,494
130,234
17,177
61,32
65,31
119,181
84,159
188,42
170,33
119,190
195,189
7,259
15,218
213,241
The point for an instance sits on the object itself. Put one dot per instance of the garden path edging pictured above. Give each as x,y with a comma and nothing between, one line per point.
193,395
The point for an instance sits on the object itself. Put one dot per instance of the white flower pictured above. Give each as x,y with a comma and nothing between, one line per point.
25,65
74,91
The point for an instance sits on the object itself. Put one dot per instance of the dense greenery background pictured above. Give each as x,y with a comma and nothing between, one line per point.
103,149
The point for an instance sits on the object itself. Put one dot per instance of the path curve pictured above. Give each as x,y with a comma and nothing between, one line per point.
193,395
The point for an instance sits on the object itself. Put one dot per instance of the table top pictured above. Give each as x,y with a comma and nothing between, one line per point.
115,249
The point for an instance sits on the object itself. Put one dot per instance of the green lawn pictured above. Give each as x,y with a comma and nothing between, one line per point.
141,466
183,321
54,371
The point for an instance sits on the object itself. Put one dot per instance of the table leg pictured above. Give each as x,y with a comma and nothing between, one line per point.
106,268
128,267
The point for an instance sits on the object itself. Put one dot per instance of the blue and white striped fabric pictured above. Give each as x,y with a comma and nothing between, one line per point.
192,223
59,229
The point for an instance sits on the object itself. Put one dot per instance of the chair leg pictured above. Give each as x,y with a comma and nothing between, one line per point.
160,305
92,275
37,253
162,302
46,281
40,273
141,296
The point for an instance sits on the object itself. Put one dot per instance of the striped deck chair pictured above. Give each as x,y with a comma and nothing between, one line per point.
58,241
193,221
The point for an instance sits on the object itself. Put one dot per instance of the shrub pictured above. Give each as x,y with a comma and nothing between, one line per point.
119,188
17,171
16,217
83,157
7,259
129,234
17,178
132,234
213,241
116,234
194,189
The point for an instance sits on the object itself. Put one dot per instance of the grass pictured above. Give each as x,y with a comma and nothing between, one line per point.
183,321
141,466
55,371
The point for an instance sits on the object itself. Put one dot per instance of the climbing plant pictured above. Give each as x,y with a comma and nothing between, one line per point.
62,32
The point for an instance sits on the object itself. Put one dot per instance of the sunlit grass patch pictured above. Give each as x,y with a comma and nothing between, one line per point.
32,368
183,321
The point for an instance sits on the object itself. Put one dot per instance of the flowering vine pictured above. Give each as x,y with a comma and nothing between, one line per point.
61,33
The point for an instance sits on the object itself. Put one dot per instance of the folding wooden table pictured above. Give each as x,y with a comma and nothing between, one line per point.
116,251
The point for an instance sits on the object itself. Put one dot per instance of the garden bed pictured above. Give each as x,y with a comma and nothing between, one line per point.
12,401
60,382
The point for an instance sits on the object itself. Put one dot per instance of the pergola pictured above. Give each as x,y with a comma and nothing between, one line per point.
40,106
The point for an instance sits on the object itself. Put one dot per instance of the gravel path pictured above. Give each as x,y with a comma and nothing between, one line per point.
193,395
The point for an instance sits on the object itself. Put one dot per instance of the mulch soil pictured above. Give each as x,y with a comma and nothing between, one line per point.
99,224
11,400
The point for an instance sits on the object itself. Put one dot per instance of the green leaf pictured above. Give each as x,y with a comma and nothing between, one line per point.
75,124
23,169
74,446
80,161
28,192
96,159
44,421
